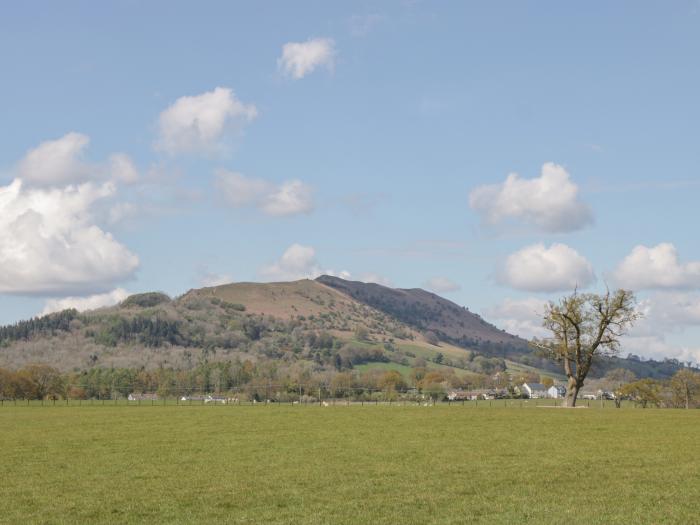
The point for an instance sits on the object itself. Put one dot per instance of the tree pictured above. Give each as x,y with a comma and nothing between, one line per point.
342,384
585,327
546,381
644,391
45,381
685,385
392,381
361,333
432,338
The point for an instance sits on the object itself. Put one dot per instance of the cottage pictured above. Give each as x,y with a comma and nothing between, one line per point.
534,390
556,392
458,395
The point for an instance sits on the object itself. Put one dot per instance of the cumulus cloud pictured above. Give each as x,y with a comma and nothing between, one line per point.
521,317
537,268
298,262
50,245
657,267
90,302
441,285
288,198
198,123
550,202
301,58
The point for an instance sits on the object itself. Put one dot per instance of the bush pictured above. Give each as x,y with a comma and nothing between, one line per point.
145,300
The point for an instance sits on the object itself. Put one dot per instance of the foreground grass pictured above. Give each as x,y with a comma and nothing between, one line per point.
295,464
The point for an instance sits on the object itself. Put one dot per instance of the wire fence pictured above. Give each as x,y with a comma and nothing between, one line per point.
300,395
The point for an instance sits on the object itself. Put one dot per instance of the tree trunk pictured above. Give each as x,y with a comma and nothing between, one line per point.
572,388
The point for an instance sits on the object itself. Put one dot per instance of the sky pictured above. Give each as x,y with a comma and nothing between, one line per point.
500,154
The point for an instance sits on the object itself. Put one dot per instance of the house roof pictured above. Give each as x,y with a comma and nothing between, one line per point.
536,386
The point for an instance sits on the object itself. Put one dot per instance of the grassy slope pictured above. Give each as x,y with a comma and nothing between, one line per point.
348,465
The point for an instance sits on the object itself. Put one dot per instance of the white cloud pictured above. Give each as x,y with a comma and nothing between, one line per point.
122,169
198,123
298,262
60,162
657,267
441,285
537,268
657,347
301,58
343,274
668,312
521,317
121,212
289,198
50,245
90,302
56,162
550,202
375,278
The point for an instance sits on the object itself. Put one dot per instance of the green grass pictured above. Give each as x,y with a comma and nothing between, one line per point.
385,367
348,465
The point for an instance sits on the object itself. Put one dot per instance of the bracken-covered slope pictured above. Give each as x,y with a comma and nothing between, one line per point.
426,311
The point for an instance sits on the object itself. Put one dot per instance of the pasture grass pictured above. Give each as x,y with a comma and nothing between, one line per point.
347,465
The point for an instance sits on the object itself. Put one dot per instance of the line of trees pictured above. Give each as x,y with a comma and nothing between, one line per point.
266,381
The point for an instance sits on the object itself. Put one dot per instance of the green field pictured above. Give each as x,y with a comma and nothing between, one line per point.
348,465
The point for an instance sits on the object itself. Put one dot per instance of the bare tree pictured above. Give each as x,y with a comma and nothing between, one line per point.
585,327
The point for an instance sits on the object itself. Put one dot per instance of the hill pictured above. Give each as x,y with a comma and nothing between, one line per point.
302,329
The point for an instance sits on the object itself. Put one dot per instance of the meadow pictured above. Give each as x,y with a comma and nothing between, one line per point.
348,464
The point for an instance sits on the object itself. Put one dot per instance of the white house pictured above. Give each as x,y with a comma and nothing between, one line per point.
534,390
142,397
556,392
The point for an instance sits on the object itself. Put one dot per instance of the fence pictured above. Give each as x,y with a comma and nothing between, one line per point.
304,396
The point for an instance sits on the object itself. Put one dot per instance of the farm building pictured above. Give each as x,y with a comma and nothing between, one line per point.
142,397
534,390
556,392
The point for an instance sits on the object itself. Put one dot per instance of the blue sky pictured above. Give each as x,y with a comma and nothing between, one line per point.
167,145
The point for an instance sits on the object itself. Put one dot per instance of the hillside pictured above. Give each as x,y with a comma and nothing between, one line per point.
426,311
303,328
431,314
302,322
